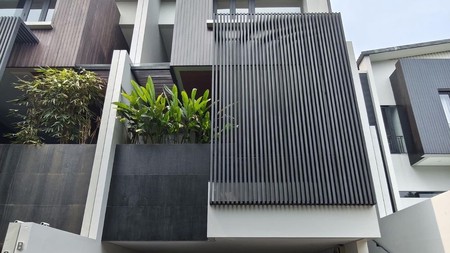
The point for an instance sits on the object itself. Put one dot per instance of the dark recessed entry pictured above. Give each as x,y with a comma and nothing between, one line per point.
196,79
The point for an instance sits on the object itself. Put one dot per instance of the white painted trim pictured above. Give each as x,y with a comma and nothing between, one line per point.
138,31
110,134
385,207
371,147
367,67
39,25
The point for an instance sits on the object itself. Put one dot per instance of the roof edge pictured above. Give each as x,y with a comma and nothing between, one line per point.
398,48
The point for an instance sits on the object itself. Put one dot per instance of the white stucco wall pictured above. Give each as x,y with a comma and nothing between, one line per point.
147,44
316,6
403,176
167,12
424,227
441,205
420,178
127,11
292,222
381,73
413,229
37,239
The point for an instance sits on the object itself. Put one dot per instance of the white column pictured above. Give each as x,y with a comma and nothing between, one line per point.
146,44
357,247
376,165
316,6
111,133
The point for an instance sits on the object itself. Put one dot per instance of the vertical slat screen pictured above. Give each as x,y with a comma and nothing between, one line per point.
12,29
286,127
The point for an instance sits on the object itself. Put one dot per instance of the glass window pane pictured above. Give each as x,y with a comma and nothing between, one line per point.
223,6
35,11
10,8
280,6
34,15
242,6
445,100
51,11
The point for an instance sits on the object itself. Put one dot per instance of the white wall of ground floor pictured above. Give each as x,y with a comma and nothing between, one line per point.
34,238
418,178
424,227
292,222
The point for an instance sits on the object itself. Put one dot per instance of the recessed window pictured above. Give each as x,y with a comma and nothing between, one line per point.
29,10
257,6
393,129
11,8
414,194
445,101
279,6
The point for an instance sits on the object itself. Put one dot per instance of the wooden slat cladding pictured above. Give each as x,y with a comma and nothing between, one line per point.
101,33
75,38
192,42
285,121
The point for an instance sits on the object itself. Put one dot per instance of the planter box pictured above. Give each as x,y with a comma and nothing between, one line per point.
44,183
158,193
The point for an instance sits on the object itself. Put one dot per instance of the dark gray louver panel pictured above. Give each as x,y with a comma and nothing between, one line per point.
285,122
12,29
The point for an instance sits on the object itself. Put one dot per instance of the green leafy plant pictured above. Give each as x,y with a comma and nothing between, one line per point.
63,104
165,118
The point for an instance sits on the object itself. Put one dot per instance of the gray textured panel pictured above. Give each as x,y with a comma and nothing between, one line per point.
44,183
416,84
192,41
286,121
158,193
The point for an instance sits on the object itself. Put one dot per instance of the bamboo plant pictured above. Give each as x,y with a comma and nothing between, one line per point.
61,104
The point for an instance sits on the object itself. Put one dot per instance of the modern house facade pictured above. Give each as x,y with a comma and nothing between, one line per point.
297,172
406,90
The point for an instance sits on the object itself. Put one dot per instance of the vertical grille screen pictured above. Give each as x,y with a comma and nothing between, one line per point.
12,29
285,124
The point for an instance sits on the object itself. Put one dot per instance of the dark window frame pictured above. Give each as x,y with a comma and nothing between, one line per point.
232,6
396,142
27,8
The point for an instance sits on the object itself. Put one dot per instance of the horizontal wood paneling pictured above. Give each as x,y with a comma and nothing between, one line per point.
285,119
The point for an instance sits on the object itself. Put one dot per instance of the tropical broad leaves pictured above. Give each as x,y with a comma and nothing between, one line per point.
165,118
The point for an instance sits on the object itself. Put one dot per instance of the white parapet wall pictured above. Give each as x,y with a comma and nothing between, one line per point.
35,238
325,222
424,227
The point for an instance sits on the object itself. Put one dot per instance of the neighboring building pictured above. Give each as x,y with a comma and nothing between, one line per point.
296,173
407,97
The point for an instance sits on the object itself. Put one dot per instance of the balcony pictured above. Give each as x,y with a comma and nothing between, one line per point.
397,144
417,84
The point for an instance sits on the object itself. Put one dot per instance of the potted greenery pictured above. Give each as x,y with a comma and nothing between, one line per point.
63,104
59,106
165,118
